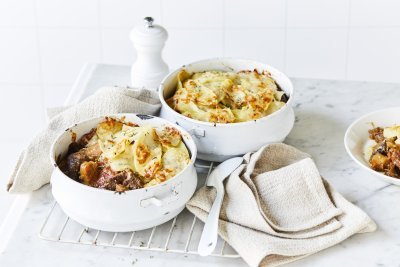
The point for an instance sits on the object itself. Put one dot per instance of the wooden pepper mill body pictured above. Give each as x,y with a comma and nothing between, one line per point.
149,68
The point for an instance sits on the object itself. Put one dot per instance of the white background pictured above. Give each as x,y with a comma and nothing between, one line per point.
44,43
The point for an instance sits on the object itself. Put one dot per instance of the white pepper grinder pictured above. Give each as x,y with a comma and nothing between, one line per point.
149,68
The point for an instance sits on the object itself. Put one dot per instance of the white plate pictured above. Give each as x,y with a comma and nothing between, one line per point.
356,138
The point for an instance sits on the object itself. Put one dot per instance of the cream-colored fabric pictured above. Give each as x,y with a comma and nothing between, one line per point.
33,169
278,209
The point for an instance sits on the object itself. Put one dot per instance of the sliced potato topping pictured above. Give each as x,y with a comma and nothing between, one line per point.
227,97
393,131
107,129
142,149
168,136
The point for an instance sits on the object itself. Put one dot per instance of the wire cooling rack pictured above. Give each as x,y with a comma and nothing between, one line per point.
179,235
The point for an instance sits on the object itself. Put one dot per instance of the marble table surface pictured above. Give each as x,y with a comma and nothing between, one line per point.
324,109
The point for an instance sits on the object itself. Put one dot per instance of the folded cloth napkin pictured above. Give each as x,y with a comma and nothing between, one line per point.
278,209
33,169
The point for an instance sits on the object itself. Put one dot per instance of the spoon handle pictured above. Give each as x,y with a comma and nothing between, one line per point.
209,237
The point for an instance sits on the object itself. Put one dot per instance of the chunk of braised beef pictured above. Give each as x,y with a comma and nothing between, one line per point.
118,181
394,156
376,134
133,181
73,147
73,161
381,148
84,140
393,170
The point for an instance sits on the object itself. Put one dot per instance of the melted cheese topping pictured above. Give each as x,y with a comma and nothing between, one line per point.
156,154
226,97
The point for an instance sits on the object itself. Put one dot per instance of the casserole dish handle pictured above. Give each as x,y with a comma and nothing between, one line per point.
161,201
197,132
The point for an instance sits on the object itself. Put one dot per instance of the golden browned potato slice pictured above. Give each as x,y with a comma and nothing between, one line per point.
176,159
379,162
168,136
89,172
147,154
120,146
393,131
221,115
107,129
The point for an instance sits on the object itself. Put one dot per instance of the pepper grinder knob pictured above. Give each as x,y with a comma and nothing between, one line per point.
149,68
148,22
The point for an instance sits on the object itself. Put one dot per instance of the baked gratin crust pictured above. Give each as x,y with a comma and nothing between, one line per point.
120,156
227,97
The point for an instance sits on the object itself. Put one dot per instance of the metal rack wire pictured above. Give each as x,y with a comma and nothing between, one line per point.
179,235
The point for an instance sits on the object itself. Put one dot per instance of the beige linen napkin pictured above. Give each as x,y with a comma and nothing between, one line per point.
278,209
33,169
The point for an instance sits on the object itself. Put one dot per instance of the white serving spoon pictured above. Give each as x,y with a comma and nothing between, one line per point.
209,237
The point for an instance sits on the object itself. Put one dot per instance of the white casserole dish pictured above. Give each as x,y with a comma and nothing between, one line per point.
122,212
217,141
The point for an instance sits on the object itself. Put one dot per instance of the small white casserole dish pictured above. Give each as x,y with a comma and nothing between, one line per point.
219,141
130,210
